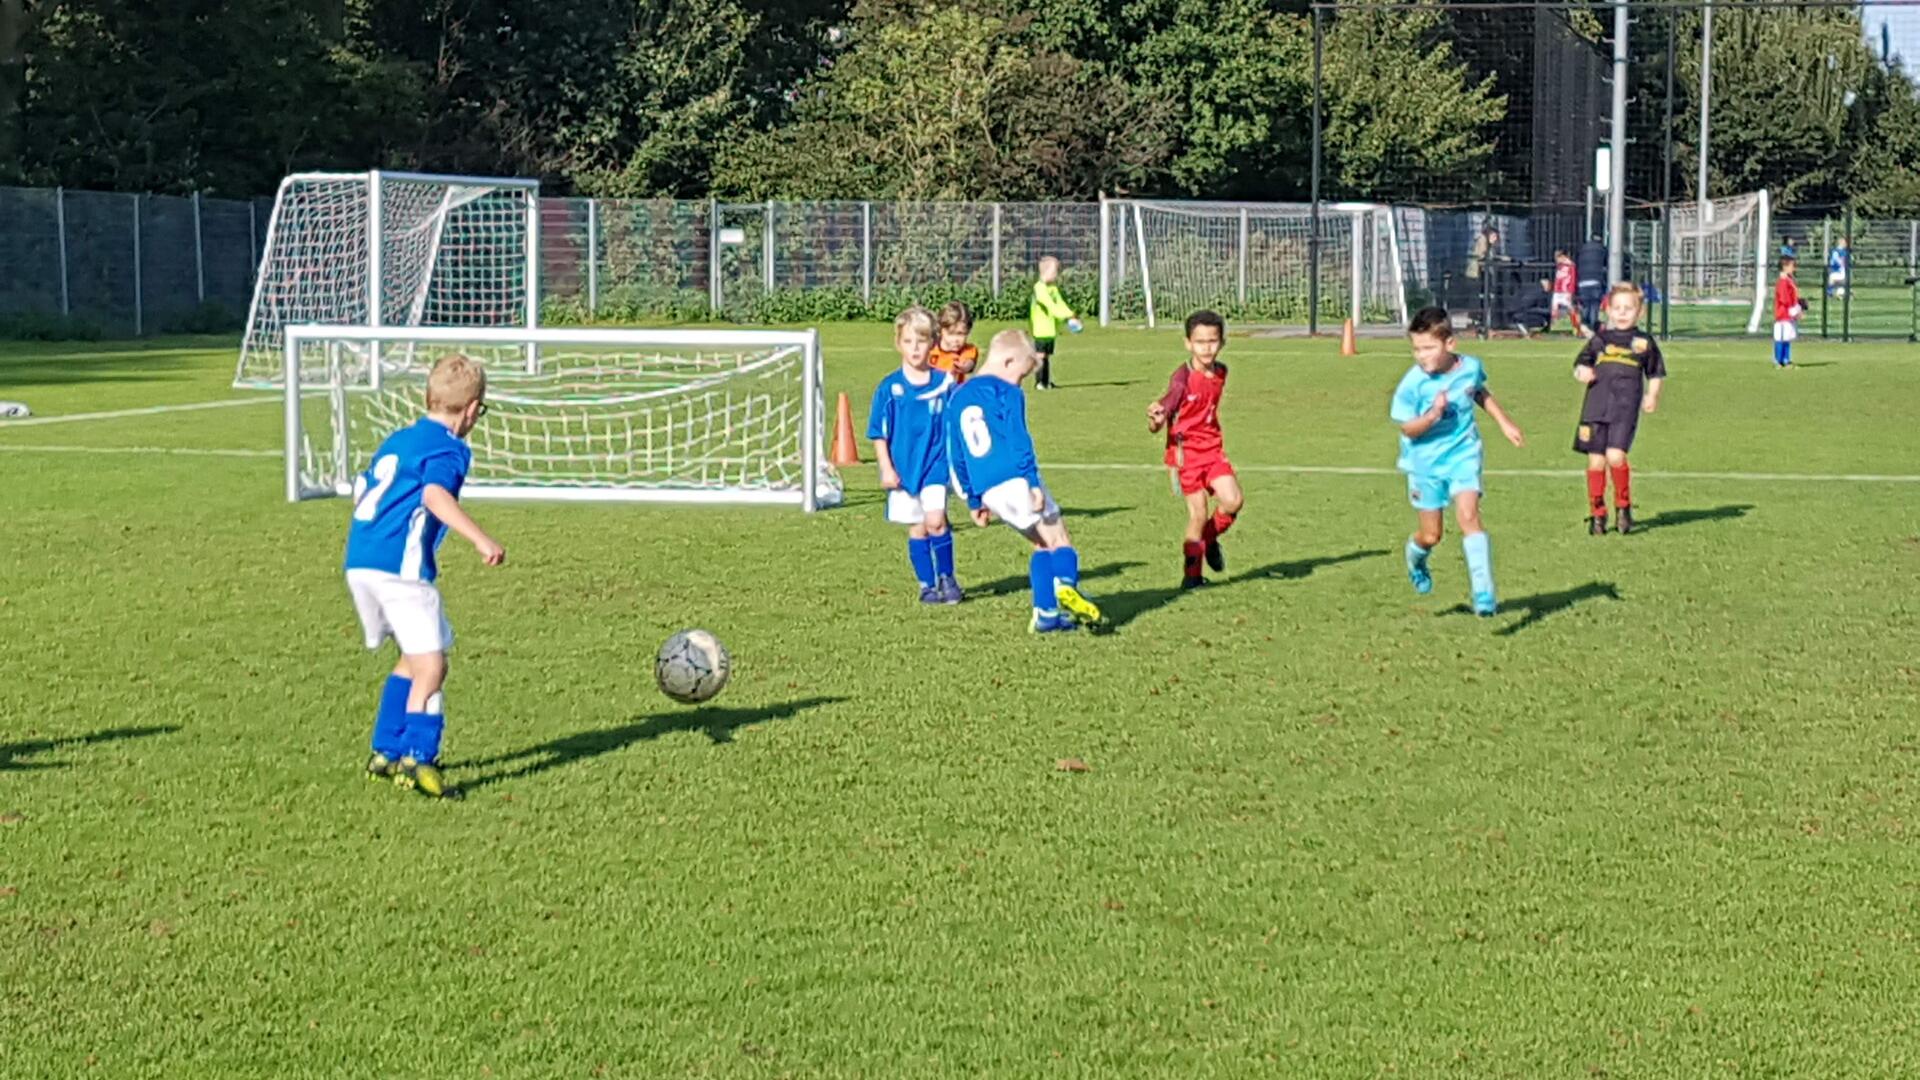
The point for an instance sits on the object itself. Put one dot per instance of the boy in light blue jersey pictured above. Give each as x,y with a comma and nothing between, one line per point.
907,423
403,506
993,461
1440,450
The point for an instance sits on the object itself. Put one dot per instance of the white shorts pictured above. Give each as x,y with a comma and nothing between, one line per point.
1562,301
1012,502
407,611
906,508
1785,330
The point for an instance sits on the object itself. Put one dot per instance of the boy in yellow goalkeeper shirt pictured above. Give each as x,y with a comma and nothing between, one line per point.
1048,308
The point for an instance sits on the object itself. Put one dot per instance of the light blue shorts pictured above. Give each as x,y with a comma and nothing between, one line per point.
1435,490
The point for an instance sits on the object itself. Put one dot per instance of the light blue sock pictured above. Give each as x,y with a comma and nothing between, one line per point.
1416,555
942,553
390,723
920,554
1066,566
1040,576
423,732
1479,563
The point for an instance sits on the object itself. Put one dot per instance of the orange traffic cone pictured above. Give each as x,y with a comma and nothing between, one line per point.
845,450
1348,347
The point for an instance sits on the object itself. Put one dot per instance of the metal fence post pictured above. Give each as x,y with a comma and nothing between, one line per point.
1846,281
199,253
766,245
60,223
139,312
1242,279
1359,244
1106,262
713,256
866,253
996,250
1826,244
253,234
593,258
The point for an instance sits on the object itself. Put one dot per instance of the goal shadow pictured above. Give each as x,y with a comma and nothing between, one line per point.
11,753
717,724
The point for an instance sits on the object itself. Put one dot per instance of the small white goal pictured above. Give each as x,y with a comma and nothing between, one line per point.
702,416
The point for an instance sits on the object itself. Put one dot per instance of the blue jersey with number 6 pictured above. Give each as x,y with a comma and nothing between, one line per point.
987,438
392,529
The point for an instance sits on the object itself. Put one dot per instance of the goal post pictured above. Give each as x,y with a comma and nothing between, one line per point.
1720,255
392,249
600,415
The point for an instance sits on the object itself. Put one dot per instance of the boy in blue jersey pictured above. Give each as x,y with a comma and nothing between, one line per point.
993,461
1440,450
403,506
907,424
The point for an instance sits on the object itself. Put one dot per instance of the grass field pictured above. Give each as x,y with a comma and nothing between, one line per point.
1650,821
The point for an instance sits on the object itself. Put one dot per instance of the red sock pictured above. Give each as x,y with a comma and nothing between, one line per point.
1597,491
1622,483
1216,527
1192,551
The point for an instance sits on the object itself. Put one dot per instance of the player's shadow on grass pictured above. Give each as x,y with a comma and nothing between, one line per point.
1540,605
1008,585
1096,511
12,752
1090,385
1814,363
1672,518
1122,608
718,725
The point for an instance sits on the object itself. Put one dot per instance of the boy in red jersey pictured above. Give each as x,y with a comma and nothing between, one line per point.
1786,314
1190,411
1564,281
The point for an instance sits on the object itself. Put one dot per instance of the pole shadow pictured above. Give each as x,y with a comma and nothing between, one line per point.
717,724
1122,608
1672,518
11,753
1540,605
1008,585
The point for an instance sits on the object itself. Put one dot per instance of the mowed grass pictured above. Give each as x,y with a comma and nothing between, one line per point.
1653,820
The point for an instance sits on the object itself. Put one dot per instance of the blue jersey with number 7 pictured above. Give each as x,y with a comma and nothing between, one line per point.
392,529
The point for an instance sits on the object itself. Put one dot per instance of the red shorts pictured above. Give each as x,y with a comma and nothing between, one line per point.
1199,472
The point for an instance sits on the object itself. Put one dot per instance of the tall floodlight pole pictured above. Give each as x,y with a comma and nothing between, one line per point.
1706,95
1617,198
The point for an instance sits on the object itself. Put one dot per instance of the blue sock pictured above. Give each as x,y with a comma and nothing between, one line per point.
423,732
942,553
1479,553
1040,576
1786,353
1778,348
391,722
1066,566
1416,555
920,554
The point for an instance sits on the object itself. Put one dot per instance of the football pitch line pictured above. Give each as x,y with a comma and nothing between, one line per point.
151,410
1301,470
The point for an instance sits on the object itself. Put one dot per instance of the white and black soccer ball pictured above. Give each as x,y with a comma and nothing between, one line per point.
692,666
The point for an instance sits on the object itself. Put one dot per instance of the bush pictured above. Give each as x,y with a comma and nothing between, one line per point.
211,317
45,326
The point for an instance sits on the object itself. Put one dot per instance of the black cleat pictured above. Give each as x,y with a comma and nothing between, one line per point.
1192,583
1216,559
1597,525
1624,516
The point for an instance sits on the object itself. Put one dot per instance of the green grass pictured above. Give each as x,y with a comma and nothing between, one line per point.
1651,821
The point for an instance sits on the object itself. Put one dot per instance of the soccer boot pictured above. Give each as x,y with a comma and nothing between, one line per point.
1597,525
1050,624
1081,609
1216,559
1192,583
1484,605
949,590
1624,519
1418,574
931,594
426,779
380,767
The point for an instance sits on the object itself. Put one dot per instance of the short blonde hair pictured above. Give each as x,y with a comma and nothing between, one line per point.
956,314
1628,288
1047,261
916,317
456,381
1010,345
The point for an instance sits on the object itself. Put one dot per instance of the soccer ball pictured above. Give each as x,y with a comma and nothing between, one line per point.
692,666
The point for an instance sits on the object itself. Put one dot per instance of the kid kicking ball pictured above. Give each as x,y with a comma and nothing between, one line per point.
692,666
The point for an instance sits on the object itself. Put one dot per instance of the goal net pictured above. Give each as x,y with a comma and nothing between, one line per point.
392,249
1719,256
585,415
1253,261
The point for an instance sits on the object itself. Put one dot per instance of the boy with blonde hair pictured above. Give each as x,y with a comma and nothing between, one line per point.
403,505
907,425
1623,372
1045,313
993,461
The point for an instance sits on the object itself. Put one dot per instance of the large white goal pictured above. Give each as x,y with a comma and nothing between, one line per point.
585,415
392,249
1162,259
1721,254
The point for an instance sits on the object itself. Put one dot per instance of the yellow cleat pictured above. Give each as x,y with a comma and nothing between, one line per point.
1083,610
380,766
426,779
